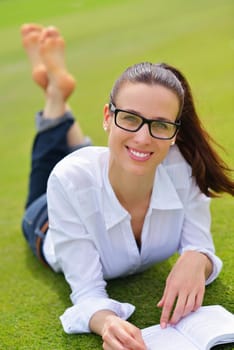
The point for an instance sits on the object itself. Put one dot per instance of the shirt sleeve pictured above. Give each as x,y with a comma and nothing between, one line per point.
76,318
196,229
78,258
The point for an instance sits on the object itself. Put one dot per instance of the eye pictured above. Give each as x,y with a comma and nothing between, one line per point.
129,119
161,125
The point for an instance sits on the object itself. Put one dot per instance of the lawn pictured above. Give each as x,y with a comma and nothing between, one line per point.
103,37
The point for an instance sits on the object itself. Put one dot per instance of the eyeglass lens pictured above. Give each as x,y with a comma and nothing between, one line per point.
132,122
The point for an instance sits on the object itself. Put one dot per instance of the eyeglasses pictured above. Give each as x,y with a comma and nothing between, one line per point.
159,129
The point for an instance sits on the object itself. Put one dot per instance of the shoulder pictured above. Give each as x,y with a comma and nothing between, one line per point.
174,157
177,167
82,167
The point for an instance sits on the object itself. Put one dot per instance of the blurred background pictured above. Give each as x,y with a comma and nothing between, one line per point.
103,37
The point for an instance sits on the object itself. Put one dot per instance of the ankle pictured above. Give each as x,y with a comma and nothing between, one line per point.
44,123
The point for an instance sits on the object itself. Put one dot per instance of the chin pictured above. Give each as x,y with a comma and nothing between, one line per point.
141,171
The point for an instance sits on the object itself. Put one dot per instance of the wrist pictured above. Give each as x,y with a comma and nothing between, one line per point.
206,263
99,319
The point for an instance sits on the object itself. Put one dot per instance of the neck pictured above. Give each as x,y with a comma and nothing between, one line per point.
131,189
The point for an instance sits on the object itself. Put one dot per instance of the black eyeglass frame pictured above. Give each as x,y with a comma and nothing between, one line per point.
115,110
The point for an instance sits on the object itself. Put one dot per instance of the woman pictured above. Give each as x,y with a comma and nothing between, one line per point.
117,210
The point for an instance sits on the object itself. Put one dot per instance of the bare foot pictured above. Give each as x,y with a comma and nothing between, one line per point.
45,50
51,50
31,39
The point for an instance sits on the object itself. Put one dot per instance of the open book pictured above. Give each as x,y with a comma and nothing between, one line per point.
200,330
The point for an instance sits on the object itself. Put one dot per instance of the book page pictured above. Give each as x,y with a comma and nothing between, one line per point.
167,339
208,326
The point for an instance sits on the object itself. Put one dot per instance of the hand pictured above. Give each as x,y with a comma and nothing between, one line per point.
185,287
118,334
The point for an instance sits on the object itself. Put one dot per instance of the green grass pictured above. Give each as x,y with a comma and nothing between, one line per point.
103,37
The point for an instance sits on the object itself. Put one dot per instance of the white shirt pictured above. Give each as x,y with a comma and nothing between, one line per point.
90,238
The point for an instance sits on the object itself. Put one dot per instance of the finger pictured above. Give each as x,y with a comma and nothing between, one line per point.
168,304
199,299
124,339
179,308
190,305
133,340
184,306
163,298
140,340
160,303
111,339
111,343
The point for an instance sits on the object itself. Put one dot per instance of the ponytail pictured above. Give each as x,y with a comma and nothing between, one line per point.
212,174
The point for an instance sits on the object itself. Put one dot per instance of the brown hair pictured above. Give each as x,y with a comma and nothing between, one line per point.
210,171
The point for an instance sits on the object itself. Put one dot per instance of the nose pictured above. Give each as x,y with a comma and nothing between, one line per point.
143,135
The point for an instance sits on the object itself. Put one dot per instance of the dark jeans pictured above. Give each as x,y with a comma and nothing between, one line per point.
49,147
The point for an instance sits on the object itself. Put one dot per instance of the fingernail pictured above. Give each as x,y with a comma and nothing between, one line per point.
163,325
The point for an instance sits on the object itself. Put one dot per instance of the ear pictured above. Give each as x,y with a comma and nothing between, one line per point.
106,117
173,141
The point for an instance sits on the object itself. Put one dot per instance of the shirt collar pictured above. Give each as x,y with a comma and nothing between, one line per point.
164,196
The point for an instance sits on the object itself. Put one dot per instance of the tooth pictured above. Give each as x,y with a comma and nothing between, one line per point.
139,154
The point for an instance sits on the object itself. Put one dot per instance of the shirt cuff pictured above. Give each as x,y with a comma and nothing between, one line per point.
215,260
76,318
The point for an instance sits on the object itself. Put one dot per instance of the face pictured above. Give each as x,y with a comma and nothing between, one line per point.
138,153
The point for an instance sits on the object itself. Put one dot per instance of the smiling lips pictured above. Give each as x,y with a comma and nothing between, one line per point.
138,155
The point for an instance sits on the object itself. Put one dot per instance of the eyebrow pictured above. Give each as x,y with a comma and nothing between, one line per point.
140,115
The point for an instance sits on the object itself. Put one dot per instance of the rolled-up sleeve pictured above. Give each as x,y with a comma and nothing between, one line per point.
76,318
78,258
196,229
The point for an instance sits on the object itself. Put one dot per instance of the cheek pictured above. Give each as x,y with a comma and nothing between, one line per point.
117,138
113,138
162,147
110,125
115,133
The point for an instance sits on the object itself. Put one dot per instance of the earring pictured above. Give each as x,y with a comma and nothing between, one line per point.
172,143
105,127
